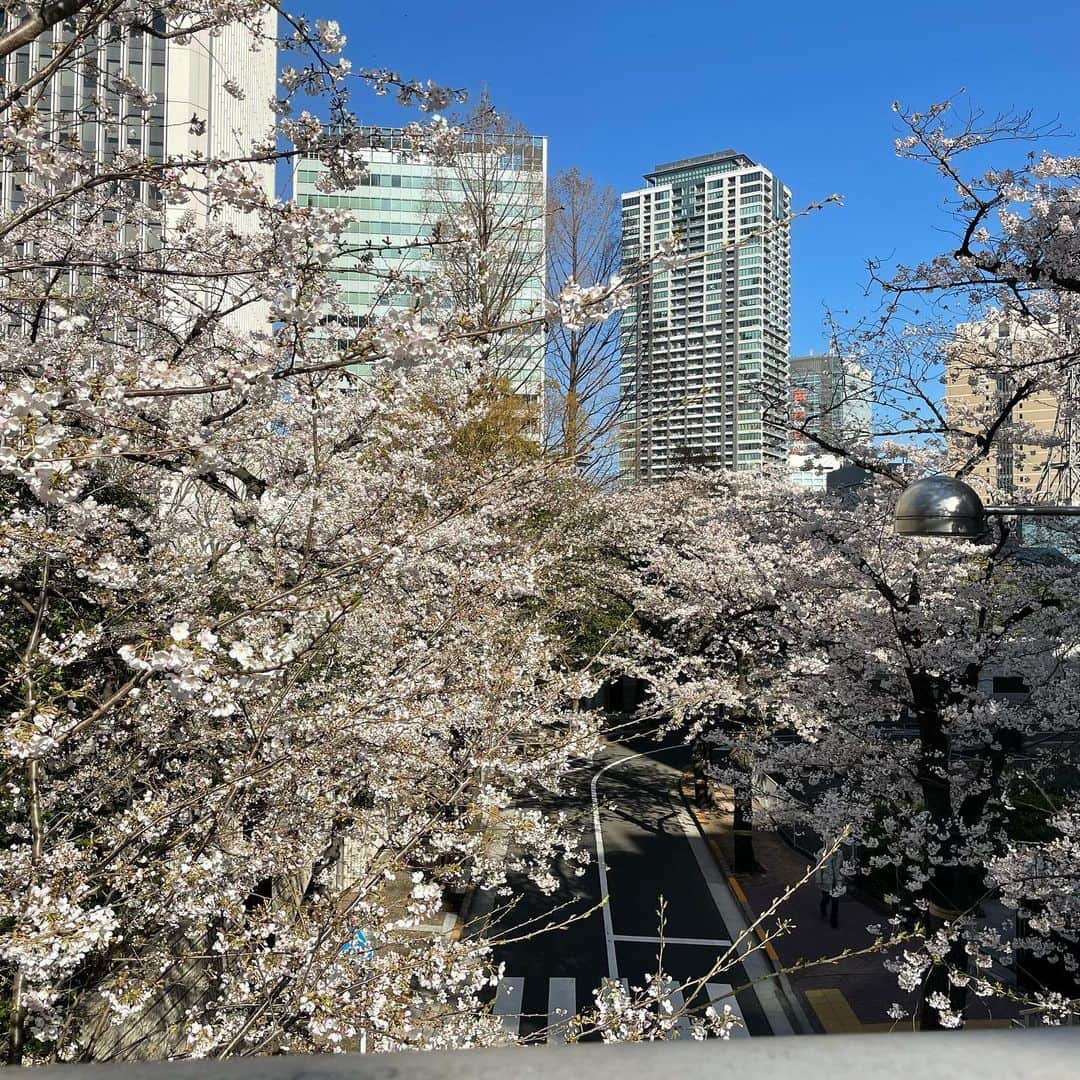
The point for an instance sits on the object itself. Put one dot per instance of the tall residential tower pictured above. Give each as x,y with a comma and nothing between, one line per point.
704,377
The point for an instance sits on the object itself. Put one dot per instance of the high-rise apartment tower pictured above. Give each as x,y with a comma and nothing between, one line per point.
704,373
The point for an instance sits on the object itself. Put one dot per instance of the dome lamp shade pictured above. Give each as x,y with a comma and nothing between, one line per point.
940,506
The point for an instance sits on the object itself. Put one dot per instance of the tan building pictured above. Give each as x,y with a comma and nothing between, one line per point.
1036,453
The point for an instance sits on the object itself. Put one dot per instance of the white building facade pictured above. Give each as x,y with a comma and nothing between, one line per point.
705,343
210,99
194,111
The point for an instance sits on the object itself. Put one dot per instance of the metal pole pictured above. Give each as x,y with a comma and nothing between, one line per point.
1038,510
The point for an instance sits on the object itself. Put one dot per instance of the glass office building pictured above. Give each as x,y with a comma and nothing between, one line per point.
495,190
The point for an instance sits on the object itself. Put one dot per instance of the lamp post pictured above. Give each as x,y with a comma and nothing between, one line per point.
946,506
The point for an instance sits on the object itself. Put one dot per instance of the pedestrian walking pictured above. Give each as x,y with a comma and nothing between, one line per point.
829,877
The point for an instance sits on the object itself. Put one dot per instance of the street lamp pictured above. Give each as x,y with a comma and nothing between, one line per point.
946,506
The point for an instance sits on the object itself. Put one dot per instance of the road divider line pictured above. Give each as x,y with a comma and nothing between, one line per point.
646,940
720,994
562,1005
683,1028
507,1004
605,895
736,888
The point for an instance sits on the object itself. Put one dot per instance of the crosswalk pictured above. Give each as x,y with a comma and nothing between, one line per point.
563,1004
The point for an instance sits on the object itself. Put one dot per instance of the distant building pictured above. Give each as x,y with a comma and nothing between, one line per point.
705,342
830,397
811,470
847,480
405,199
986,362
211,99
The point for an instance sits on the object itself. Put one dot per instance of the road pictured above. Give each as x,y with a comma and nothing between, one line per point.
649,848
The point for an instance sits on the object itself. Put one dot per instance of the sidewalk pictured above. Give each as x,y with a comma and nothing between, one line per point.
851,995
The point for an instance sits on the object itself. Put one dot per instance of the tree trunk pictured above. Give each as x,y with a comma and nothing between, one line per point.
743,822
937,982
699,761
17,1022
954,891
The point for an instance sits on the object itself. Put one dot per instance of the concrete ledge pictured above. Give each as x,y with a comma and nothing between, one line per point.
1050,1054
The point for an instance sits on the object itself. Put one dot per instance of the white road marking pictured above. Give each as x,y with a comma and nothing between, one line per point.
759,973
507,1004
718,998
605,895
562,1004
449,922
644,940
752,958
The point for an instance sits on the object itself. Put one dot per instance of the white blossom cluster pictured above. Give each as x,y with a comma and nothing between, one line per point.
647,1013
579,305
858,668
277,662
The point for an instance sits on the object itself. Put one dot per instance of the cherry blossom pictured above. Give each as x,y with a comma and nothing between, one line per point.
275,648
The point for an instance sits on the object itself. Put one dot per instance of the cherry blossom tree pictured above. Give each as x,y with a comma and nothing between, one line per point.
996,313
861,670
857,669
271,661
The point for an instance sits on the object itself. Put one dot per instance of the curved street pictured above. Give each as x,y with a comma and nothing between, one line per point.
647,852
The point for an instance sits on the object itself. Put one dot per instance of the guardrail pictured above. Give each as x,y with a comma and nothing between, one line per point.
988,1055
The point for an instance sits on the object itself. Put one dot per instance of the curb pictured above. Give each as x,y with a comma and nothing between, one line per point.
802,1021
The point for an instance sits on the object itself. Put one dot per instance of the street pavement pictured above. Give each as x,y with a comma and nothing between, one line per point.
652,854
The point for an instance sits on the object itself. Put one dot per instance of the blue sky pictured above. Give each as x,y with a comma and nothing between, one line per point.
803,88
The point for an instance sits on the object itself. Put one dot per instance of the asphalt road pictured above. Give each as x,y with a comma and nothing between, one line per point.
654,858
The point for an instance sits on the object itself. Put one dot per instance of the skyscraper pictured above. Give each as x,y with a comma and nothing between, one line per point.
494,192
830,396
704,371
121,89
